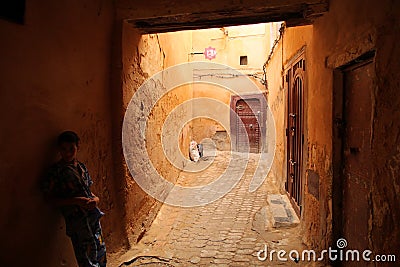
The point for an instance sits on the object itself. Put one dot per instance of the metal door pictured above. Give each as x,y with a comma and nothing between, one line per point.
358,88
294,131
248,112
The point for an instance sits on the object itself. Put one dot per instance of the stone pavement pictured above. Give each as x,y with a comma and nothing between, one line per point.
227,232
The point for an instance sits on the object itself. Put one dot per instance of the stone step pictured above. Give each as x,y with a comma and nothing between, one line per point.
283,215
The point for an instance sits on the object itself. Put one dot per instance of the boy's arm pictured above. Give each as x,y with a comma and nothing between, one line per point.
62,202
95,198
94,201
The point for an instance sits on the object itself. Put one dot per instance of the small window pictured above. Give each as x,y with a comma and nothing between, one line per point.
243,60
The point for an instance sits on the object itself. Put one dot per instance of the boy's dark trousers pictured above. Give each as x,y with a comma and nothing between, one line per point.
87,240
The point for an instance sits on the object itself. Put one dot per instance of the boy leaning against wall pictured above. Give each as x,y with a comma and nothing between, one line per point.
67,186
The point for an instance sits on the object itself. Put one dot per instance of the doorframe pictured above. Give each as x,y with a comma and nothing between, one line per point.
300,53
338,135
262,123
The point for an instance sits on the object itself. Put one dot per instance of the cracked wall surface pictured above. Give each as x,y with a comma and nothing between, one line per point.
142,57
292,41
346,32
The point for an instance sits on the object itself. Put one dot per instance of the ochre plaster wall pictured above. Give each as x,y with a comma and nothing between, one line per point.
293,40
349,29
206,128
230,43
142,57
340,32
54,76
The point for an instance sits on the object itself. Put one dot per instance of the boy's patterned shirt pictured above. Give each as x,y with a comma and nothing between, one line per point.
65,180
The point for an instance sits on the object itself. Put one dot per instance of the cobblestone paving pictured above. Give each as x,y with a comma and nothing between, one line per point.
227,232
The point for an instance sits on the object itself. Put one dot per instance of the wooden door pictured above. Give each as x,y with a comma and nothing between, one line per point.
294,131
356,179
248,130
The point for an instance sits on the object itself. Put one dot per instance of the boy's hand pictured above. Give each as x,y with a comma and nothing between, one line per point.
86,203
82,201
91,204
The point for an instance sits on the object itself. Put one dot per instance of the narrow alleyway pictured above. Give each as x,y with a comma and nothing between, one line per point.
227,232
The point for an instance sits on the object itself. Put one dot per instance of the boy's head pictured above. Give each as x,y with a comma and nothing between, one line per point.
68,143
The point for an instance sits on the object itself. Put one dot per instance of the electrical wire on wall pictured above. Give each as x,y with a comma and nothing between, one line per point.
223,75
280,36
217,75
261,76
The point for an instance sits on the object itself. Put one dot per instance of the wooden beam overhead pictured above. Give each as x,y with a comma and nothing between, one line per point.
295,13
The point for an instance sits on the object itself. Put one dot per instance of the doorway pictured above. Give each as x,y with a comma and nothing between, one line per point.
251,127
248,126
352,175
295,81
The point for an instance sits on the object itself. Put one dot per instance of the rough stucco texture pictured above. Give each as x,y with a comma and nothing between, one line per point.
54,76
293,40
334,39
144,56
345,23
